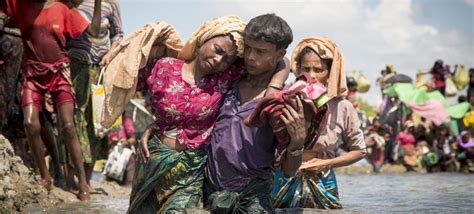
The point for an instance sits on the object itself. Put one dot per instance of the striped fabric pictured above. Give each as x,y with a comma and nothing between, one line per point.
169,182
91,49
306,190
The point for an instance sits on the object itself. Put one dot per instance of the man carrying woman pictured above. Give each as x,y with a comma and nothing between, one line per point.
240,158
186,96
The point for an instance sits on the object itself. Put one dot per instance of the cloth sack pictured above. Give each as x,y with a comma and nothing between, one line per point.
363,84
461,78
451,89
117,162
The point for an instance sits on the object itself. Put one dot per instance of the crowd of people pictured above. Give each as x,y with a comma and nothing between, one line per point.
417,127
209,120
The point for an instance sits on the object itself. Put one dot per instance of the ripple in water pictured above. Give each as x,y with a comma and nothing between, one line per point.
372,193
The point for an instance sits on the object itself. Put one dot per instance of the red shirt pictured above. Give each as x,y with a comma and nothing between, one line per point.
406,139
45,30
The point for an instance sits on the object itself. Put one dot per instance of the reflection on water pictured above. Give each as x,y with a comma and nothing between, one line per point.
109,206
433,193
116,205
440,193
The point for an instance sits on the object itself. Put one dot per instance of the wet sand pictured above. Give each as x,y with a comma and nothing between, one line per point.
20,190
102,190
18,185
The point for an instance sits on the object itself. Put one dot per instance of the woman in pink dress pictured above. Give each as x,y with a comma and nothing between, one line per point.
186,96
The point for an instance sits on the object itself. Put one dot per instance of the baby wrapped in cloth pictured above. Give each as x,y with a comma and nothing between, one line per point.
270,108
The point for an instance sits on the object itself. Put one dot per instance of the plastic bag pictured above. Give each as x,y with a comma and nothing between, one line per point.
461,78
468,119
421,82
451,89
363,84
98,98
117,162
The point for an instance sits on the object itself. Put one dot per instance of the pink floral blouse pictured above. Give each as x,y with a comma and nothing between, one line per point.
192,109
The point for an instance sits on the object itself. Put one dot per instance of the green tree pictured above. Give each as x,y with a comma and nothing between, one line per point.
364,106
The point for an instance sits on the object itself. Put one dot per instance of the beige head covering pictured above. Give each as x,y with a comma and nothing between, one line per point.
219,26
326,49
154,40
408,124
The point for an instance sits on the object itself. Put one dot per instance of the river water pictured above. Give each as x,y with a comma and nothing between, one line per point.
366,193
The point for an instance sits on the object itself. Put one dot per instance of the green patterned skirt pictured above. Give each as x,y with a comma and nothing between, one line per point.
83,75
306,190
170,181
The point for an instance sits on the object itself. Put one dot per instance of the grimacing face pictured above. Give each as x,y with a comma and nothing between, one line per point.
216,54
260,56
313,68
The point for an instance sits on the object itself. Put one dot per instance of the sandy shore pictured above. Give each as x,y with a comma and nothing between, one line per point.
367,169
20,189
19,186
102,190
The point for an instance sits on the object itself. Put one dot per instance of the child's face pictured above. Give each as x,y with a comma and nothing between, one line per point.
313,68
443,131
261,57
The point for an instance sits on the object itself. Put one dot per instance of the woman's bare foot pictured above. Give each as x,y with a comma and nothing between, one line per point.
84,196
47,184
84,191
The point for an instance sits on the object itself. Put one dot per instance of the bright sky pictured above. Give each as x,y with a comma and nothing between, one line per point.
410,34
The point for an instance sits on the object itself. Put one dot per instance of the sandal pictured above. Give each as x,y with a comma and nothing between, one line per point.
84,196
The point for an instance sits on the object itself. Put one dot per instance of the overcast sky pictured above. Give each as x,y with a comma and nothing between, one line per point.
410,34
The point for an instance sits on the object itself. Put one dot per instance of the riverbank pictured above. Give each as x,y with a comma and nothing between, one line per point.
365,168
19,186
20,189
102,190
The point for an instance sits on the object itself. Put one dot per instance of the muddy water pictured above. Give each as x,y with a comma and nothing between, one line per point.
413,193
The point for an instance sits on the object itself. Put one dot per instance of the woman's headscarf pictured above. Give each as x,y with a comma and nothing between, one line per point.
326,49
226,25
465,144
390,69
408,124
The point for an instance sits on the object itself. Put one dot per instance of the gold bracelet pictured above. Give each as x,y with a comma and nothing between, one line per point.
275,85
296,152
